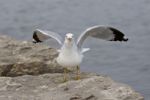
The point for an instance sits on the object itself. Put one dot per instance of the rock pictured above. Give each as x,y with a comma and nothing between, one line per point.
51,87
21,58
39,77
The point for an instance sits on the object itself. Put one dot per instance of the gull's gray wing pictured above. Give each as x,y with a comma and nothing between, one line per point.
101,32
40,36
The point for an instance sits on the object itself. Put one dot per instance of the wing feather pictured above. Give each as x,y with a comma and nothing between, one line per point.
101,32
40,36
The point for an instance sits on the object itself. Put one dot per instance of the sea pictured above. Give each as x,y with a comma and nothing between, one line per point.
125,62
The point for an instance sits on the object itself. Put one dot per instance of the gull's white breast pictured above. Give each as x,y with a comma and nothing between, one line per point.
69,58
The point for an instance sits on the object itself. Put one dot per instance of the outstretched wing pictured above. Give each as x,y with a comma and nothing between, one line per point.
101,32
40,36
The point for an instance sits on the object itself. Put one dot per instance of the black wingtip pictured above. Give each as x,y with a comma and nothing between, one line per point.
35,38
125,39
34,41
119,36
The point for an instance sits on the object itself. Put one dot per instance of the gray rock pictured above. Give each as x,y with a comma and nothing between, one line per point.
52,87
21,58
39,77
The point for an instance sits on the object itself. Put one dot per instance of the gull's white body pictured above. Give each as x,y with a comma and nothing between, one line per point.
69,56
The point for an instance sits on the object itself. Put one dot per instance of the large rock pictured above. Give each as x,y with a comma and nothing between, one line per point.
21,58
39,77
51,87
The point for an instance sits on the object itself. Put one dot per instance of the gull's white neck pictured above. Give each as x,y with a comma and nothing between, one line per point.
69,47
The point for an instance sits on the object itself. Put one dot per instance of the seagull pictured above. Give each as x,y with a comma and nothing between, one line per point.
71,51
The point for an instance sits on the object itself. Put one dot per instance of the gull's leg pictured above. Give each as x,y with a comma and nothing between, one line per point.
78,73
65,74
65,78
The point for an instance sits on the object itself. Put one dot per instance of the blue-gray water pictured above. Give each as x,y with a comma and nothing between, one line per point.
125,62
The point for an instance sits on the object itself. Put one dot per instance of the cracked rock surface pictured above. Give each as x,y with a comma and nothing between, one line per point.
29,72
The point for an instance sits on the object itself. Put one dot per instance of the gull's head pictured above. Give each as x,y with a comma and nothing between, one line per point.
69,39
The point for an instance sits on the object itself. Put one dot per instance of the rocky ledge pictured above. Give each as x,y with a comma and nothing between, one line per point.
29,72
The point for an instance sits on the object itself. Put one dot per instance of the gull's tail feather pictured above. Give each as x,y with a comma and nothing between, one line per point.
85,50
